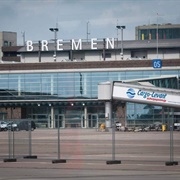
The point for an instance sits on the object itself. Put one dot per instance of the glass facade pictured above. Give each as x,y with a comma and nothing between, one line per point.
163,33
74,86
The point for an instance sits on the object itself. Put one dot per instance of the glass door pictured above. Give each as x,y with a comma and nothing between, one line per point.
61,119
83,121
92,120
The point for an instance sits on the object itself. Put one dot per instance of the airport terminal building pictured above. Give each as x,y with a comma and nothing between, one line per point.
58,81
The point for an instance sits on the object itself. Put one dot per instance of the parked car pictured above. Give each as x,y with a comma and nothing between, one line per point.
157,126
12,126
3,126
24,125
118,125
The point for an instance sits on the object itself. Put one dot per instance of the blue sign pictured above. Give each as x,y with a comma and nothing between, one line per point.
130,93
157,63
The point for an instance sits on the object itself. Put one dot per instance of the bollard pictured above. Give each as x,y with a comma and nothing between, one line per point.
163,127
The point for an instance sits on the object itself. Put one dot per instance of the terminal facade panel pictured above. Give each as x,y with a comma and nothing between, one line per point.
37,87
71,95
132,50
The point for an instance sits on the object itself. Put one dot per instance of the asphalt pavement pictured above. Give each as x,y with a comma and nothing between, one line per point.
142,155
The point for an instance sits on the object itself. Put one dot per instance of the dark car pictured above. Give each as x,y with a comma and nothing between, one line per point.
26,125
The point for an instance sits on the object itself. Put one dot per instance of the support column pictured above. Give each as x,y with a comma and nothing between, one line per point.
52,117
108,113
121,114
52,85
85,117
163,116
19,85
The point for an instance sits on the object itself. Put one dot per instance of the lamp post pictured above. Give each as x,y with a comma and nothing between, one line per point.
157,38
121,27
55,30
88,33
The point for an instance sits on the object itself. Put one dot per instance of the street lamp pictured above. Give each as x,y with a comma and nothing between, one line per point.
121,27
55,30
88,33
157,38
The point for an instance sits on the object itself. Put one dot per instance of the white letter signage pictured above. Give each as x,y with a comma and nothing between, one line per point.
93,43
29,46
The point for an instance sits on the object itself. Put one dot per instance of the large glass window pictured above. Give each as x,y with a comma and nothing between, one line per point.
87,84
4,82
66,85
133,75
49,84
33,84
72,84
16,84
169,72
117,76
143,114
4,86
98,77
167,33
151,74
79,84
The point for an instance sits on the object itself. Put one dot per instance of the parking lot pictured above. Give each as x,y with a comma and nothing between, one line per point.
86,151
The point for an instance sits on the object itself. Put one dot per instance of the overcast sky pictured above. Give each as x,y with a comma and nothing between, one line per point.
35,17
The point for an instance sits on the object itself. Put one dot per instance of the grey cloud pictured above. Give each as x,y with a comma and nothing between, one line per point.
7,11
36,16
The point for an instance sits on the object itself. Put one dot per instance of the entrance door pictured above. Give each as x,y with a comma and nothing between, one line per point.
83,121
61,119
92,120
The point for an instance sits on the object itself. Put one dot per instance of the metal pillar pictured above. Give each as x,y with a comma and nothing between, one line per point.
58,160
85,116
113,161
171,124
108,113
30,156
52,117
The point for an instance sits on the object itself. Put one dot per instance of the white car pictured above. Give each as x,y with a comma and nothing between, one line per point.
12,126
3,126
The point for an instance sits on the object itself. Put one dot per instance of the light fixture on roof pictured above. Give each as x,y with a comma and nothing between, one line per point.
121,27
55,30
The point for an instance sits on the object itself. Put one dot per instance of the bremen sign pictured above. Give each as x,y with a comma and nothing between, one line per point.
75,44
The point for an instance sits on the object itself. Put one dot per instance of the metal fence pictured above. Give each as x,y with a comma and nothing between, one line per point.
17,141
61,145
